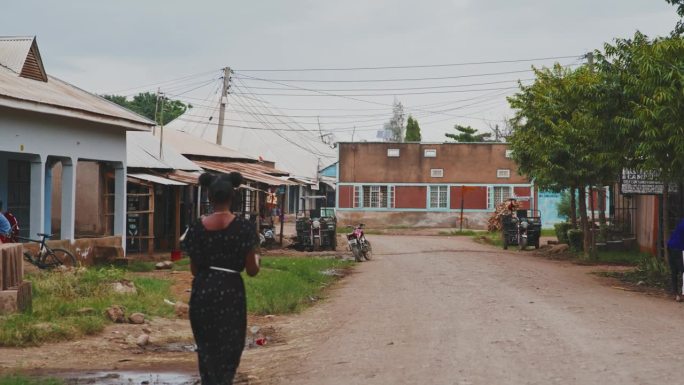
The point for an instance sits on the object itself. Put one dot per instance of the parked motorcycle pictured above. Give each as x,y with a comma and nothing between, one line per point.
358,244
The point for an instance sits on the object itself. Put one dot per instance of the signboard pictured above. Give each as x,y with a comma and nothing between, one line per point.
642,183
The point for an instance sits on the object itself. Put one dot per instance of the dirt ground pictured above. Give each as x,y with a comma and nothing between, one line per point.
439,310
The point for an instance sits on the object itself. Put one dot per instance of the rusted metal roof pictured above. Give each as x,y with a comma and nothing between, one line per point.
157,179
189,177
247,172
54,96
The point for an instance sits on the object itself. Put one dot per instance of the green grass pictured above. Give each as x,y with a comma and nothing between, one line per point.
22,380
461,233
58,296
548,232
288,285
493,238
620,257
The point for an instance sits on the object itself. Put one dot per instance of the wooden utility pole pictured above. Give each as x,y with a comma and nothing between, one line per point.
224,101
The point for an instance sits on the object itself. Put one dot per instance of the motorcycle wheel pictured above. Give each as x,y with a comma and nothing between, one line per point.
523,243
536,244
317,244
356,252
368,251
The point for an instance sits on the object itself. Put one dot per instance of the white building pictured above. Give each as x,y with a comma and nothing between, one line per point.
45,121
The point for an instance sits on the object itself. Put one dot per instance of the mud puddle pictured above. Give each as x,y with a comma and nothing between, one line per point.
130,378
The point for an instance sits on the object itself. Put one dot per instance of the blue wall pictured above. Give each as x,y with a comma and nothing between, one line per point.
548,205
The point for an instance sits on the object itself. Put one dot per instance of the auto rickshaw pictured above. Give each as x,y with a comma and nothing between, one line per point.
521,228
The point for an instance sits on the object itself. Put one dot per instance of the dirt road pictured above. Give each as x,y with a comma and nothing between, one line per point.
438,310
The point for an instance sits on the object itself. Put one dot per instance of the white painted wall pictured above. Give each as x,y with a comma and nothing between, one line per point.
24,133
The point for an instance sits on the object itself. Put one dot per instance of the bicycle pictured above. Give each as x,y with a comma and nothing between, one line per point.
49,258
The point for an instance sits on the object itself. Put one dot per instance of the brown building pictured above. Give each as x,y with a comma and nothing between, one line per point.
423,184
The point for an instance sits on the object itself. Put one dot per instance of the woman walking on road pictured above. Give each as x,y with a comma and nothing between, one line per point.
220,246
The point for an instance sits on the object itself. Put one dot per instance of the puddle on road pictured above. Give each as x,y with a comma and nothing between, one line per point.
130,378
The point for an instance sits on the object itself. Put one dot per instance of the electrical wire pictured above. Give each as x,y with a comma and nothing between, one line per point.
413,66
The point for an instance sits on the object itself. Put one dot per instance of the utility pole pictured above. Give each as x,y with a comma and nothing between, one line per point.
590,61
161,128
224,101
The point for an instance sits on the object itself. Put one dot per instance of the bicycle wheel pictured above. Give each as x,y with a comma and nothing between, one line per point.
60,257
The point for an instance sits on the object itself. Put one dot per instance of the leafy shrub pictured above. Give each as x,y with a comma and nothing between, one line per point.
575,239
562,231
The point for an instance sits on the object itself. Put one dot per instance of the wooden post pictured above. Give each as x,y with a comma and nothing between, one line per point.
150,222
258,212
177,218
282,217
462,200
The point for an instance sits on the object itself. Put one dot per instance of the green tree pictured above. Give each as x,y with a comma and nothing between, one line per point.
412,130
562,135
467,134
145,104
651,72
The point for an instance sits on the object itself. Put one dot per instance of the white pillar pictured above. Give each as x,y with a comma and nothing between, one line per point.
68,198
120,202
37,196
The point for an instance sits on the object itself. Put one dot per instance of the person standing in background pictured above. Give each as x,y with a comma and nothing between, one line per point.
675,247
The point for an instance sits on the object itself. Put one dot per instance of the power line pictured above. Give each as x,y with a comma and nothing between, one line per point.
413,66
400,89
390,94
176,80
248,77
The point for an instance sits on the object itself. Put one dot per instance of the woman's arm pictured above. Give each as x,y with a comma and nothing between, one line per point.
252,263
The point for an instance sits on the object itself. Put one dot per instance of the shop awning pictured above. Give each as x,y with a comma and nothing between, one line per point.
189,177
249,173
157,179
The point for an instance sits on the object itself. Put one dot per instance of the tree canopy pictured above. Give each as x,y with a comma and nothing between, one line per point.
467,134
412,130
145,104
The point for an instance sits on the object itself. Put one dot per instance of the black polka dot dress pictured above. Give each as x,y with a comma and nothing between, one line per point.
218,308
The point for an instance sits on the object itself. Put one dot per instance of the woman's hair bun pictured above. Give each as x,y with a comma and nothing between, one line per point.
206,179
236,179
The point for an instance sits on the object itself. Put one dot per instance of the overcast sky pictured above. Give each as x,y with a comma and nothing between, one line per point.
117,45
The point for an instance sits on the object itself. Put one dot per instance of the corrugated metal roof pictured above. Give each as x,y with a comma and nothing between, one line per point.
55,96
188,144
189,177
13,51
247,173
157,179
142,151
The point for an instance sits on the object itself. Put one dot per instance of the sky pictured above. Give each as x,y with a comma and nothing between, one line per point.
128,46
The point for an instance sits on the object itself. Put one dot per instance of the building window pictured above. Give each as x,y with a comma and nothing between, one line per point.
437,172
392,152
438,197
375,196
391,199
503,173
501,194
357,196
430,153
509,154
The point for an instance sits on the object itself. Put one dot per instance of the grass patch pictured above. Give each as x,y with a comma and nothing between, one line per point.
22,380
650,270
493,238
468,233
548,232
288,285
58,297
621,257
